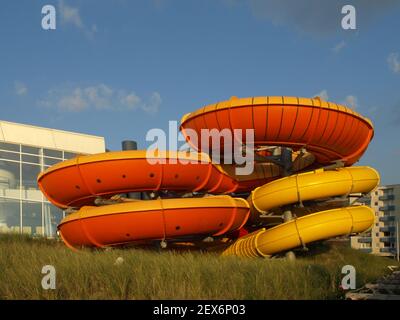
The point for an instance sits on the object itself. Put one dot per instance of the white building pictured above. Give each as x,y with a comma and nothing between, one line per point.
382,239
25,151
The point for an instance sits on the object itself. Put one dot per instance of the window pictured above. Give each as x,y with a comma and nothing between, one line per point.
52,153
29,175
31,150
52,218
32,218
9,146
22,206
9,215
31,159
9,155
9,177
51,161
69,155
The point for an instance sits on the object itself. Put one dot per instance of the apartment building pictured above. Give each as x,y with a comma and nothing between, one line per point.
383,238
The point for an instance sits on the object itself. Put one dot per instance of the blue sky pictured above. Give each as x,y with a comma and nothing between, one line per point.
119,68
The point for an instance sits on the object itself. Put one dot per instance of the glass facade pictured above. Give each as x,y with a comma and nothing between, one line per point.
23,207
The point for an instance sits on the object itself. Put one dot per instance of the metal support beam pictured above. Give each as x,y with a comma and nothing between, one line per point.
288,216
284,160
131,145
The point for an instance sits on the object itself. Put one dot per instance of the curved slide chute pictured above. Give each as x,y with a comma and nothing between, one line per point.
312,185
313,227
330,131
86,178
160,219
321,137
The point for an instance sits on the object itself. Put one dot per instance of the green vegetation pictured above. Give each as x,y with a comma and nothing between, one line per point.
93,274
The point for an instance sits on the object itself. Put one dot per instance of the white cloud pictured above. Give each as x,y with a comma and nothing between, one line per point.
131,100
339,47
393,61
323,95
71,15
351,102
74,102
20,88
153,104
98,97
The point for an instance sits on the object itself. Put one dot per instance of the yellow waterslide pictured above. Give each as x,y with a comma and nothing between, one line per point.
319,184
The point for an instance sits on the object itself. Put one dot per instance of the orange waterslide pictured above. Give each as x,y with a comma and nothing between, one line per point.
86,178
160,219
318,133
330,131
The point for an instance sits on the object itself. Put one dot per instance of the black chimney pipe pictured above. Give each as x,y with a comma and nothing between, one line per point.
129,145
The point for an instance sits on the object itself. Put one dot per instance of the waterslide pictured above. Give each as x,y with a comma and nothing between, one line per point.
153,219
325,224
187,196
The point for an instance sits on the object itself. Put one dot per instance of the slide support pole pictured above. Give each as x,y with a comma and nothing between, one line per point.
288,216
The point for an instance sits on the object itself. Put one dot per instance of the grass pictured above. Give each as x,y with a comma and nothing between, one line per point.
93,274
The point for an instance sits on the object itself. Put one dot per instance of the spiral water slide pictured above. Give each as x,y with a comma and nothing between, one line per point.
205,199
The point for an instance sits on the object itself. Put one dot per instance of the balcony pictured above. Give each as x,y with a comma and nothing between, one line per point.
387,250
387,218
386,197
387,208
365,250
387,239
364,240
387,229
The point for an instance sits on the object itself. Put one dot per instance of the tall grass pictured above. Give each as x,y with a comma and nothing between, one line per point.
94,274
